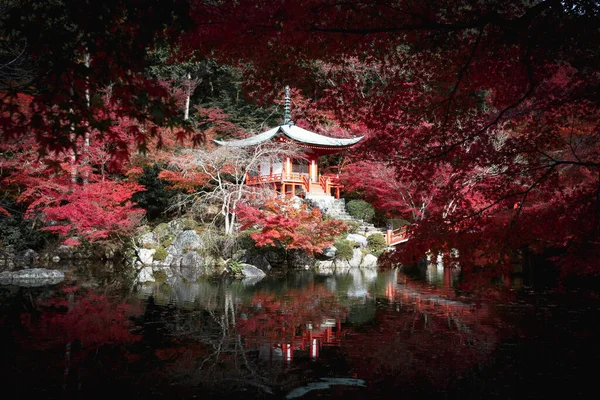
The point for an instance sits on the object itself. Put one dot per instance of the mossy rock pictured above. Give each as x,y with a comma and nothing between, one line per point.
167,242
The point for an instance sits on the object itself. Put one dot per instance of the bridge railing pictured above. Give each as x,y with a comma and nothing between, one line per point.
393,236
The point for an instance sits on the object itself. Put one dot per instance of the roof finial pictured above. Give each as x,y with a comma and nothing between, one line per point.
286,107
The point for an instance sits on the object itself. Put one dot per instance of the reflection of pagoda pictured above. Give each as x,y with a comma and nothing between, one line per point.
292,176
307,342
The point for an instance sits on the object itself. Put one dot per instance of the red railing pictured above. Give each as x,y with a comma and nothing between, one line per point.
396,235
306,183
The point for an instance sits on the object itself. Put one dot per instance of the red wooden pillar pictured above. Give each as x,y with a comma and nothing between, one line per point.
337,192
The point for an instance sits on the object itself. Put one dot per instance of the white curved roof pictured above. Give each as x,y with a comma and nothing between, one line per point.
294,133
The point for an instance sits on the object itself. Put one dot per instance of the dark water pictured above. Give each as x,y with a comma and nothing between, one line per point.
357,335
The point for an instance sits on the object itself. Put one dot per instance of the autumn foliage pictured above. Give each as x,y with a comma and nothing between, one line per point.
289,225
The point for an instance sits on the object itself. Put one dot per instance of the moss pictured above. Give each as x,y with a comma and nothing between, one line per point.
376,242
161,254
167,242
345,250
160,276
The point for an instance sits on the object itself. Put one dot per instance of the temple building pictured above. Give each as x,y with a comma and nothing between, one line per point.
296,176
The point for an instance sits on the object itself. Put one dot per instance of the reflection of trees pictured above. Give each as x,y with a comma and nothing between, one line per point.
423,335
82,329
274,318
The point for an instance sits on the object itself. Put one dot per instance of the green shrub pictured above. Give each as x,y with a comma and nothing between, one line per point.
360,209
345,250
376,242
161,254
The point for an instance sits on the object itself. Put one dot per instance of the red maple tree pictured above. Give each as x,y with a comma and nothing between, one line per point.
286,224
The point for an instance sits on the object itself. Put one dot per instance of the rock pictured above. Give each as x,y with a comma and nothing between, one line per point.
252,275
360,240
56,259
250,271
299,259
146,256
329,253
369,261
324,267
64,252
175,227
240,256
146,275
32,277
191,267
187,240
146,239
341,266
356,260
172,250
27,256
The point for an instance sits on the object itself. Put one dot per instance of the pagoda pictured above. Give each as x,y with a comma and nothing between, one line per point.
296,176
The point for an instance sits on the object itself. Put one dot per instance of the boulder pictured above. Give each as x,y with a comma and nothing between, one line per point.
147,239
252,275
360,240
356,260
27,257
250,271
172,250
325,267
32,277
145,275
341,265
175,226
187,240
146,256
192,266
369,261
329,253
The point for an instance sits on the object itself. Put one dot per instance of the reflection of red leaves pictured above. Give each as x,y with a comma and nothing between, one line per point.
89,318
275,317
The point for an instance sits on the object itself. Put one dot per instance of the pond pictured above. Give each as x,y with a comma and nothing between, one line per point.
364,334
